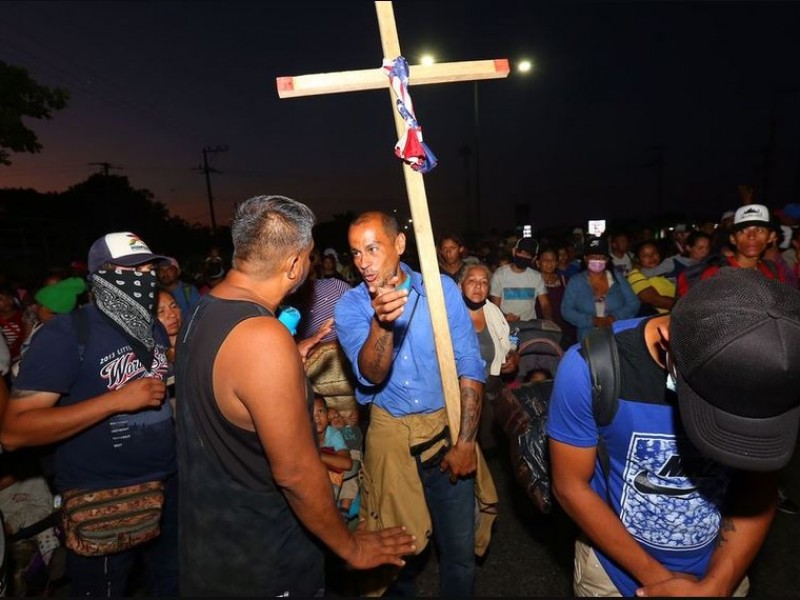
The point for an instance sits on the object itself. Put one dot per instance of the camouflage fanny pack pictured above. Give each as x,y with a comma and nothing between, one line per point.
101,522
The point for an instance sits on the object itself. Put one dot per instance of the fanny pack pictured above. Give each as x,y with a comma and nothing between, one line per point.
101,522
432,451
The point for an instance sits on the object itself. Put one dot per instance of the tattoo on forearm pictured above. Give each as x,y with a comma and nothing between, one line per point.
381,346
726,526
21,394
470,413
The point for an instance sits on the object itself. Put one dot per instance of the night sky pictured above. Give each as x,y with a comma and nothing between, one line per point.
577,138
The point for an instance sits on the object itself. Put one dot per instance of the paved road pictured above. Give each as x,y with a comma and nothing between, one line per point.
531,554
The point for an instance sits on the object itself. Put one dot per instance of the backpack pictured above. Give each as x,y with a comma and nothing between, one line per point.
522,413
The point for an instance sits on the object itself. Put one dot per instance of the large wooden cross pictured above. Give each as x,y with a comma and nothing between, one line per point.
376,78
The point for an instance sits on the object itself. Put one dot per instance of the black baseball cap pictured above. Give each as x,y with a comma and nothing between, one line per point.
529,245
735,341
595,245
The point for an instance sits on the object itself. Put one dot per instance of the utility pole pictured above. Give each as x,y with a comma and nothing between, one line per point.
477,140
465,151
106,167
769,149
208,170
658,164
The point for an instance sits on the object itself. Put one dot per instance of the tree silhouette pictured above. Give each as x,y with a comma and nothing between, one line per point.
21,96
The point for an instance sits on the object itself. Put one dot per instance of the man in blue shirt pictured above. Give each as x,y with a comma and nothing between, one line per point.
384,326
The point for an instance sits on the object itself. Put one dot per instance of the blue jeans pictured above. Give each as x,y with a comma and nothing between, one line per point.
452,508
108,575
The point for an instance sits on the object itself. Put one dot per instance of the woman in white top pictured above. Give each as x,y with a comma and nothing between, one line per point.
493,331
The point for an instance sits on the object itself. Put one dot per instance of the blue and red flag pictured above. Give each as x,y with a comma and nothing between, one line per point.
410,147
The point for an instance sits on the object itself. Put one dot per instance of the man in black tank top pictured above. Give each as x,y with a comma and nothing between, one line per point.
255,499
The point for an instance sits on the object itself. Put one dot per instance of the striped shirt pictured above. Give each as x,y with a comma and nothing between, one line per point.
326,294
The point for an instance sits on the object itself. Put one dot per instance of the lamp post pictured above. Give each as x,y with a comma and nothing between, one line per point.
476,132
523,66
769,149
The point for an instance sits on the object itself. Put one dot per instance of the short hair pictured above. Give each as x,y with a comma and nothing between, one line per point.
267,229
642,245
452,237
691,240
469,268
388,222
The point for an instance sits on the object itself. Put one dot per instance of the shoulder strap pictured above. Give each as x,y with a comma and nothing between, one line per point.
187,294
600,352
80,320
693,273
772,267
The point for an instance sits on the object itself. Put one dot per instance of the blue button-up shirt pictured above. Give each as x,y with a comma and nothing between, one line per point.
414,384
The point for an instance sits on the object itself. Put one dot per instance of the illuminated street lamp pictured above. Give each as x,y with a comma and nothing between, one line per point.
523,66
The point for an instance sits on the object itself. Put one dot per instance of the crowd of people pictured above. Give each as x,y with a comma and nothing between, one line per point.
283,410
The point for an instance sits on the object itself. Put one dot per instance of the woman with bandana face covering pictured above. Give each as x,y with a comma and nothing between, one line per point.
596,297
493,331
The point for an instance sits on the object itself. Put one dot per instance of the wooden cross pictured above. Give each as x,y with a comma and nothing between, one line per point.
370,79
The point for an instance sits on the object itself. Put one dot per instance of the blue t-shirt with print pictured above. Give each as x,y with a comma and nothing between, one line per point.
123,449
666,494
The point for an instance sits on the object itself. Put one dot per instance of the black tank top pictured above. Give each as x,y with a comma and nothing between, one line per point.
238,535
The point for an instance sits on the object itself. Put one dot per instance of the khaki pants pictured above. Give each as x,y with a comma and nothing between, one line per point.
590,579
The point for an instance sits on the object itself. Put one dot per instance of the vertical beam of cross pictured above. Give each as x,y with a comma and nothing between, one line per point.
348,81
423,231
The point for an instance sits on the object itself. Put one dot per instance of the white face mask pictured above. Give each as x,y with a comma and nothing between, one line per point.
596,266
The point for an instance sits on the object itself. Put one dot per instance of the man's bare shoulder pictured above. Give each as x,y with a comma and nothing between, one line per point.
257,366
259,338
259,352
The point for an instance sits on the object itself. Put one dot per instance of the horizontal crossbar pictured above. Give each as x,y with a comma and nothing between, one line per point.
374,79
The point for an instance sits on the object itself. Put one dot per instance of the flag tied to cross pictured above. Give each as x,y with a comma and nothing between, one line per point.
410,147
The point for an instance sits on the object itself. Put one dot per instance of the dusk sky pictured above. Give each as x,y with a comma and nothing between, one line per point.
154,83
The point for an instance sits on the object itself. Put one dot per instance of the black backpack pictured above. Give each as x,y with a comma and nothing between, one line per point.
522,413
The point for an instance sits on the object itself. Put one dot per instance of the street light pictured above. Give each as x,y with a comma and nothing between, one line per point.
523,66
